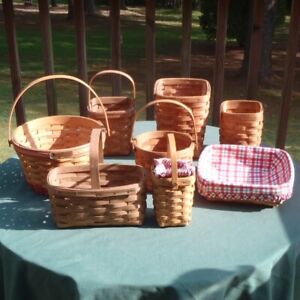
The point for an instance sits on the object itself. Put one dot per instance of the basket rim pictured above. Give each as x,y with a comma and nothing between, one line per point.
182,79
182,98
130,110
169,179
166,132
43,152
209,149
257,102
86,169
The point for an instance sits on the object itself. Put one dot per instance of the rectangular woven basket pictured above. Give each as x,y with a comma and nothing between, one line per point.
97,194
245,174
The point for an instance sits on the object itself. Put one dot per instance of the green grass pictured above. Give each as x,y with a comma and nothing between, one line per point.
168,47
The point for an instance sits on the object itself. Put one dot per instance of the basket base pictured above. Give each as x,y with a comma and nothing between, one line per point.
254,203
39,189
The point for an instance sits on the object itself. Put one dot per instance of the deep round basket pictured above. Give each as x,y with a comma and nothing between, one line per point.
153,144
52,141
48,142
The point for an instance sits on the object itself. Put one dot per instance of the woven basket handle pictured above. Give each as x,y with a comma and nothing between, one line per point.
96,155
138,113
101,73
45,78
173,156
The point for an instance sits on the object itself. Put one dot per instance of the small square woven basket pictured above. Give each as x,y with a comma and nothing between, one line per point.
173,197
245,174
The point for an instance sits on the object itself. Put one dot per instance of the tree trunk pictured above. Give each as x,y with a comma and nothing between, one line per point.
70,9
89,7
268,31
245,63
123,4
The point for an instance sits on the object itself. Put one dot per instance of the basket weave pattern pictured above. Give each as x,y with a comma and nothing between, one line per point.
154,144
52,141
173,197
120,112
97,194
195,94
241,122
245,174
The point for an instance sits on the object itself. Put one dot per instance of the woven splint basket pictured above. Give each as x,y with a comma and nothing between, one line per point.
245,174
97,194
173,197
153,144
120,111
241,122
195,94
48,142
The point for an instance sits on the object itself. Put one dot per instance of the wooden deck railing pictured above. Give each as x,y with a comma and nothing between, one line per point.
218,82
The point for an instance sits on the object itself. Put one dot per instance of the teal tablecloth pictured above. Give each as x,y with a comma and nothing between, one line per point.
227,252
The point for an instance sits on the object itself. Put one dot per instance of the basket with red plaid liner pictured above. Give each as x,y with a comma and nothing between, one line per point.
173,188
245,174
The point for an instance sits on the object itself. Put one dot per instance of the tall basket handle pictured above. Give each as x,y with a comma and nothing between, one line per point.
172,154
45,78
96,155
151,103
101,73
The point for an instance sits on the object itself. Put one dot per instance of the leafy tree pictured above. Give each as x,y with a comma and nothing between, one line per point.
238,27
237,19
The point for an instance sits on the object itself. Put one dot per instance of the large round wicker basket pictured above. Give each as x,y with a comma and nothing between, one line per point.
52,141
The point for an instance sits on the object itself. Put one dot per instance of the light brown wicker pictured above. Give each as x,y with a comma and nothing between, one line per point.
195,94
97,194
120,111
52,141
173,197
153,144
241,122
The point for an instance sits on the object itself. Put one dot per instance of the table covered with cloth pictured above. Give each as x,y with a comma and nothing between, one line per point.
229,251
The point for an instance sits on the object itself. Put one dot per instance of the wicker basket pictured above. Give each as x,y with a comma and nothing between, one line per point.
245,174
52,141
153,144
97,194
241,122
120,112
173,197
195,94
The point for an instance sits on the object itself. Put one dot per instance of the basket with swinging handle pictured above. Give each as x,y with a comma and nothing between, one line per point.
48,142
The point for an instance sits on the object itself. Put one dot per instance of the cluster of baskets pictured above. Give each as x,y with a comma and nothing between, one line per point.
62,156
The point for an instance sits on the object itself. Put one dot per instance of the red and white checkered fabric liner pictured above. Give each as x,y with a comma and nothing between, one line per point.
162,167
245,173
